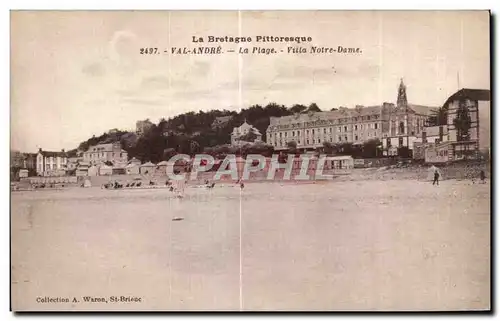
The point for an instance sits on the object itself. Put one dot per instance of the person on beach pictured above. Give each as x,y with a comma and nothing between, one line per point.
436,177
482,176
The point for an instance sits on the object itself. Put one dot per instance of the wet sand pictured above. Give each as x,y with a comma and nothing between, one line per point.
360,245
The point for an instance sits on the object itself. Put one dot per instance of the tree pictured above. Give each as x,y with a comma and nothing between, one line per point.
371,148
404,152
292,146
462,122
313,107
328,148
168,153
298,108
333,109
439,117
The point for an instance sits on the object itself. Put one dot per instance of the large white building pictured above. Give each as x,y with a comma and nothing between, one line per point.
51,163
243,130
394,125
101,153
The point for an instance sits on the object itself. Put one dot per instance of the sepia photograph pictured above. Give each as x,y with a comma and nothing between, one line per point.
238,160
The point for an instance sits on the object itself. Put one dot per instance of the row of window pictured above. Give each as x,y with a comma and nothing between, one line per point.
51,159
330,130
100,155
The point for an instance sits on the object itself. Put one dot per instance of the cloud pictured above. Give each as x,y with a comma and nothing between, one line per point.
142,101
163,82
94,69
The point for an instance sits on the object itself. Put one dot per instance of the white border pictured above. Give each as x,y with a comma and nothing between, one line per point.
185,4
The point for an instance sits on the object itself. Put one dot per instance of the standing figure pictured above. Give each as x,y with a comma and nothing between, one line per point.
436,177
482,176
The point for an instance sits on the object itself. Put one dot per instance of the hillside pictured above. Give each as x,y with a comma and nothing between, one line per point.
192,132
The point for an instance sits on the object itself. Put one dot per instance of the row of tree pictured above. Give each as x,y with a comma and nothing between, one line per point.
192,132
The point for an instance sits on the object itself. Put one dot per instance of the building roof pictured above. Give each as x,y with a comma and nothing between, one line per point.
423,110
131,165
53,154
148,164
472,94
105,148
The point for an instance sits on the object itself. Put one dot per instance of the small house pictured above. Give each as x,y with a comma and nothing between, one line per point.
105,170
147,168
132,169
161,167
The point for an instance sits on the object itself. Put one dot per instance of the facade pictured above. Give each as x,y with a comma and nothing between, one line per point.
467,144
51,163
143,126
395,126
435,134
244,129
101,153
438,153
16,159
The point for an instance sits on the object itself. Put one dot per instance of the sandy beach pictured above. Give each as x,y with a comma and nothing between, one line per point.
354,245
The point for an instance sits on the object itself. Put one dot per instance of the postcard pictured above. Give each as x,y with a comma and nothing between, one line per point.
250,161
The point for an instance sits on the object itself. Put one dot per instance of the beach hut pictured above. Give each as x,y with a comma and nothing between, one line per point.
147,168
162,167
82,170
341,162
93,171
105,170
132,169
87,183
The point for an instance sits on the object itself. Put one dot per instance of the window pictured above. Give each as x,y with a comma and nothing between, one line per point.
400,141
355,127
319,141
340,139
330,130
293,133
280,135
388,142
339,129
313,131
401,127
368,117
376,125
361,127
345,128
346,138
285,134
298,133
331,139
324,130
307,131
356,137
308,142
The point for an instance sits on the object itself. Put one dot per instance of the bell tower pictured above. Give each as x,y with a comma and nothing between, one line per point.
402,102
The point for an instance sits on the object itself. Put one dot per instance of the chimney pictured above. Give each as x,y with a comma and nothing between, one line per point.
39,150
62,150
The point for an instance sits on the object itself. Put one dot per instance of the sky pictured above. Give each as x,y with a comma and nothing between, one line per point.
76,74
